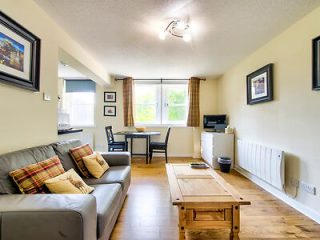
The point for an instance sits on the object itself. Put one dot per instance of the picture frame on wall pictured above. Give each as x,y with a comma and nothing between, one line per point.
19,55
110,111
110,96
260,85
316,64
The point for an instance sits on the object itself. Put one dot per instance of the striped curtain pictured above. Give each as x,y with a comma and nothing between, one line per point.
127,89
194,109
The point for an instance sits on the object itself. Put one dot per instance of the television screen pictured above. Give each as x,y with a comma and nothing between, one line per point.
215,121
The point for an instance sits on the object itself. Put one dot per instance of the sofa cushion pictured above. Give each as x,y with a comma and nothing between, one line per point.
108,198
68,183
115,174
77,154
95,164
62,150
19,159
30,179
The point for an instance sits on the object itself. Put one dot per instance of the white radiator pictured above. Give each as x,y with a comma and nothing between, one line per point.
263,162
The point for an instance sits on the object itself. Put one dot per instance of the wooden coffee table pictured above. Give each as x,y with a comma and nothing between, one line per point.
205,200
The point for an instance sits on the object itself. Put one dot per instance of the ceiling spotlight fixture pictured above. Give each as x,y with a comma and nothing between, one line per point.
177,28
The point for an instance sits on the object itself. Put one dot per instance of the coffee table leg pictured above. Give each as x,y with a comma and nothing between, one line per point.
182,222
234,234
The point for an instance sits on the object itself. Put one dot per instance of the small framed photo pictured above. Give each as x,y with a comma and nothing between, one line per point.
110,111
110,96
19,55
260,85
316,63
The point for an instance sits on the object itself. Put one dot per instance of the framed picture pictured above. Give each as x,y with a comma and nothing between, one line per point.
260,85
110,111
110,96
316,63
19,55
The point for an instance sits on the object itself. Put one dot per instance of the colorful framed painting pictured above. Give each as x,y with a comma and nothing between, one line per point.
110,96
260,85
316,63
19,55
110,111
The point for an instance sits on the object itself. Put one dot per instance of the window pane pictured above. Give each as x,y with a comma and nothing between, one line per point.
177,114
176,94
146,103
145,94
145,113
80,106
175,107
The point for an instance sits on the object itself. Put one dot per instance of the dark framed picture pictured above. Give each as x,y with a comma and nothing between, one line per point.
316,63
110,111
110,96
19,55
260,85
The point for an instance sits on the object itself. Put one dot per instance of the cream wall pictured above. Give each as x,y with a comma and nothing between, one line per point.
183,141
291,121
26,120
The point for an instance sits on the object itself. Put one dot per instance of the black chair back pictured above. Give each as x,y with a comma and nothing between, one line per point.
109,133
167,136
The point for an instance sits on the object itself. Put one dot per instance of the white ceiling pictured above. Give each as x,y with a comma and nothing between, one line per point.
123,34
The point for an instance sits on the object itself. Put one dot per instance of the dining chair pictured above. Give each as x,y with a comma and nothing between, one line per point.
159,147
112,144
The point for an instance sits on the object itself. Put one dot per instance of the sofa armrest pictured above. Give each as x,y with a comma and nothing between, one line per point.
117,158
48,216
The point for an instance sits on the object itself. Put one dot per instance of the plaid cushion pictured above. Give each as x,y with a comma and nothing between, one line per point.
77,154
30,179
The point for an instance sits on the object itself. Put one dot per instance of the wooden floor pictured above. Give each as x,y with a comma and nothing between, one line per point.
147,213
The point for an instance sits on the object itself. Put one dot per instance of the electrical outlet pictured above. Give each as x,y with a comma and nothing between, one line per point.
308,188
294,182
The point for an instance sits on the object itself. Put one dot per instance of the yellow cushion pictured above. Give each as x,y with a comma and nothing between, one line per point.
68,183
95,164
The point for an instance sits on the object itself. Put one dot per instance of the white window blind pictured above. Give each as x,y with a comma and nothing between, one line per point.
79,102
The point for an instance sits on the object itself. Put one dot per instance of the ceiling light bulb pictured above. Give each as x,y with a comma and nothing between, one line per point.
162,35
180,25
186,37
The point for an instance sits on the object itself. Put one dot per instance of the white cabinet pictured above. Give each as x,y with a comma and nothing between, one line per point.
214,145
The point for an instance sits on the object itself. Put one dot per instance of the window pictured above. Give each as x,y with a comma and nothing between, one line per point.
157,103
79,102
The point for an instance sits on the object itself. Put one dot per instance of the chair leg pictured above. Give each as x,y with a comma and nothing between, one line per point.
166,156
150,155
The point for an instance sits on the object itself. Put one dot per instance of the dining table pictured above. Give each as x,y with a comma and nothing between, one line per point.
135,134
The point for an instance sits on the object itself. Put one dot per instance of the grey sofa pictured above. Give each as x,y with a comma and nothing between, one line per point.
62,216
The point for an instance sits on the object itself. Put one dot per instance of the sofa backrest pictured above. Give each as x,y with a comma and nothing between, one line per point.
19,159
62,150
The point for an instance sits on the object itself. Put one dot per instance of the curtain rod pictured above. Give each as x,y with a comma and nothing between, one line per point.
158,79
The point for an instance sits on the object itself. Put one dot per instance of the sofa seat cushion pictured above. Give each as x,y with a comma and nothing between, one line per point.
108,197
115,174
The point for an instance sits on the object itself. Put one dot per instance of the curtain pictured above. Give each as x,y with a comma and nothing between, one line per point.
127,89
194,109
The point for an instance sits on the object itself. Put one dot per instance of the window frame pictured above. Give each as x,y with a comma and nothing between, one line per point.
162,117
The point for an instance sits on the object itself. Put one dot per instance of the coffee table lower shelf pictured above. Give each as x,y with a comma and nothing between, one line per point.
196,217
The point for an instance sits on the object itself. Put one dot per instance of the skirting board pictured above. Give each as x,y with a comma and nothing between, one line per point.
281,195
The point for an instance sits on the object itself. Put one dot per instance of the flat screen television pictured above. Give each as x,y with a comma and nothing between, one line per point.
215,122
